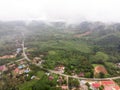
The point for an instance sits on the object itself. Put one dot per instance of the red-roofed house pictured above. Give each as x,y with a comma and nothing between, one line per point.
64,87
111,88
81,75
108,88
3,68
96,85
18,71
50,78
107,83
116,88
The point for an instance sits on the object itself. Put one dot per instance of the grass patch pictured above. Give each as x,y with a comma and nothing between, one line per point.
40,74
94,65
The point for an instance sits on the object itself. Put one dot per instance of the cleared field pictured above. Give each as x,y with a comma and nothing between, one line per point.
99,69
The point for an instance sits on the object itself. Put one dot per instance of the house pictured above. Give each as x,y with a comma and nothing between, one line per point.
118,65
21,66
50,77
60,80
108,88
109,85
18,50
95,85
83,82
3,68
37,60
60,68
27,70
22,62
18,71
81,74
12,66
21,71
111,88
116,88
64,87
83,87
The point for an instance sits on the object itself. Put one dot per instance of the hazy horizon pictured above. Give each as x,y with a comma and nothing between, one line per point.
63,10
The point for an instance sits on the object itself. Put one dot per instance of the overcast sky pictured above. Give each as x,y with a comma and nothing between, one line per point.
68,10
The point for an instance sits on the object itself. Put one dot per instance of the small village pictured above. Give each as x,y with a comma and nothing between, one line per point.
59,45
22,69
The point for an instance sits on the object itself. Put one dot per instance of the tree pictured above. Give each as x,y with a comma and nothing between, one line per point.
100,57
101,87
73,82
102,75
87,84
88,75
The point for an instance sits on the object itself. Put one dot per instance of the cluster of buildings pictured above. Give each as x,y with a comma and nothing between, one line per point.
18,51
16,68
21,69
37,61
60,81
60,68
95,85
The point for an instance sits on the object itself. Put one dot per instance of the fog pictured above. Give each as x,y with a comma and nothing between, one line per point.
65,10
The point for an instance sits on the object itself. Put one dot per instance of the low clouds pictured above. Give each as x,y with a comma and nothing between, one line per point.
68,10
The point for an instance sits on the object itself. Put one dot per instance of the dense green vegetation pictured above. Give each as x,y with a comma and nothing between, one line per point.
60,46
72,60
43,83
72,53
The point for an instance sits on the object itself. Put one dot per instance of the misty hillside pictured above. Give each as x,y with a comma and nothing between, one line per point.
94,33
94,29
